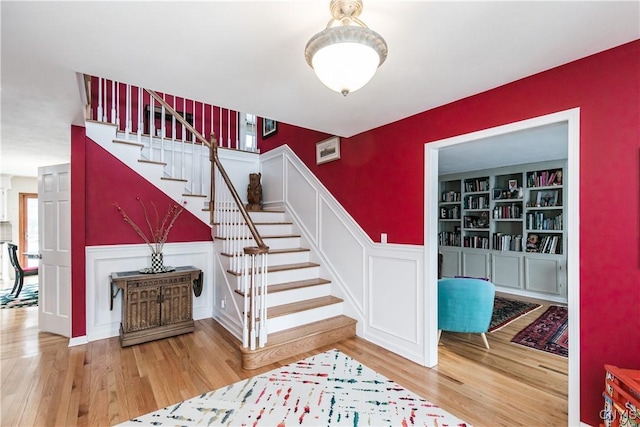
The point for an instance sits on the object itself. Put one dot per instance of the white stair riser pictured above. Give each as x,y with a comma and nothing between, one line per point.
279,277
279,243
263,229
274,229
282,242
289,258
265,216
298,294
293,320
276,259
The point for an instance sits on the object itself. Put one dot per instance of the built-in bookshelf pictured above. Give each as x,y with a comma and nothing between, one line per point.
507,224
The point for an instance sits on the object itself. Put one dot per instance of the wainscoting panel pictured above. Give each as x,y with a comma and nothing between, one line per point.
395,315
382,284
104,260
272,181
302,199
239,164
344,253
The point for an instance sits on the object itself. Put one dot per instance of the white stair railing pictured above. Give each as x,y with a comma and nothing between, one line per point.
141,118
246,259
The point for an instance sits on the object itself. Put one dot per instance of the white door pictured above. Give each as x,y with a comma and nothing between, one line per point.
54,214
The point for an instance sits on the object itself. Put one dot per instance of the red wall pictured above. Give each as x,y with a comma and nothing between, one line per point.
98,181
380,179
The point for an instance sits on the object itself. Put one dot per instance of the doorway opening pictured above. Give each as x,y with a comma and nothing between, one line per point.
572,120
28,229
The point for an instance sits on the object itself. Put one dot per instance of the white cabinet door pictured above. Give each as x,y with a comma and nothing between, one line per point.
544,274
475,264
450,262
506,269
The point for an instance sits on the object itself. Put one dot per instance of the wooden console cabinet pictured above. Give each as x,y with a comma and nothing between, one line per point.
155,306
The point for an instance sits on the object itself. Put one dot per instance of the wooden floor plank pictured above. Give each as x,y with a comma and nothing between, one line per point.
46,383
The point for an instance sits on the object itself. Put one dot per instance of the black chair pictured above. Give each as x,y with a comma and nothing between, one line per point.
20,272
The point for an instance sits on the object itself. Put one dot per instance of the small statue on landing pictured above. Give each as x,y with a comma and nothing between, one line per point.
254,192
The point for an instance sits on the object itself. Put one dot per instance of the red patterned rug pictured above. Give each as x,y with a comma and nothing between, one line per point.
548,332
507,310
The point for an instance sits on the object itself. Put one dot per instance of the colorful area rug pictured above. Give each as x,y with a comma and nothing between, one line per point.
329,389
548,332
28,297
507,310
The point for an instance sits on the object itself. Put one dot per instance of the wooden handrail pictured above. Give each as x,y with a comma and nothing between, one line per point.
243,211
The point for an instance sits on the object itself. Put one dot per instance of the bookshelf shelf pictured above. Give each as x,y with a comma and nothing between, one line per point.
505,224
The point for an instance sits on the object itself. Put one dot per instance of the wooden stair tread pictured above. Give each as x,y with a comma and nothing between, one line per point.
282,267
279,338
260,223
153,162
295,307
283,236
277,251
125,142
288,250
168,178
194,195
292,285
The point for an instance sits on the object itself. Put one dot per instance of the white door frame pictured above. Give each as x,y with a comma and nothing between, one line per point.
572,201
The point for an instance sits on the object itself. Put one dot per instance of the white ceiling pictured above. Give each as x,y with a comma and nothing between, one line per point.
249,56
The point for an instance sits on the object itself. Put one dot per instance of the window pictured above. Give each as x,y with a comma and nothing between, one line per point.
248,138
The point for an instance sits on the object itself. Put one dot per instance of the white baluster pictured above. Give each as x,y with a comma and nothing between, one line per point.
127,111
113,102
118,106
237,130
100,108
173,140
140,113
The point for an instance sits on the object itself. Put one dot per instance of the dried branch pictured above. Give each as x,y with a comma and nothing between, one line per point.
160,232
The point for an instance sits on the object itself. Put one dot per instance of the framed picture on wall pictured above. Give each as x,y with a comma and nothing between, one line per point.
328,150
269,127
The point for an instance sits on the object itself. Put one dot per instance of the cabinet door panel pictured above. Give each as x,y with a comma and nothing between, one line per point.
143,308
475,264
450,263
506,270
176,306
542,275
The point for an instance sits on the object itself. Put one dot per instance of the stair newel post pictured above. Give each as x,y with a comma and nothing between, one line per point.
247,312
257,294
263,299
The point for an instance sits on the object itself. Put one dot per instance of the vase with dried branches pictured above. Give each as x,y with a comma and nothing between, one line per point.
158,232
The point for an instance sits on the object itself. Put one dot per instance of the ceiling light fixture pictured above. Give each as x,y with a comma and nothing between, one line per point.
346,54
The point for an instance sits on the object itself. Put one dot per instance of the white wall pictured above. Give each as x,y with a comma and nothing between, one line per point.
104,260
382,284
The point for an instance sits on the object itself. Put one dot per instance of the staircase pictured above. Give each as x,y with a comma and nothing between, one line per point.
301,312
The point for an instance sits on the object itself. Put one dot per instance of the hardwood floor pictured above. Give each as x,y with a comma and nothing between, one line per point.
46,383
